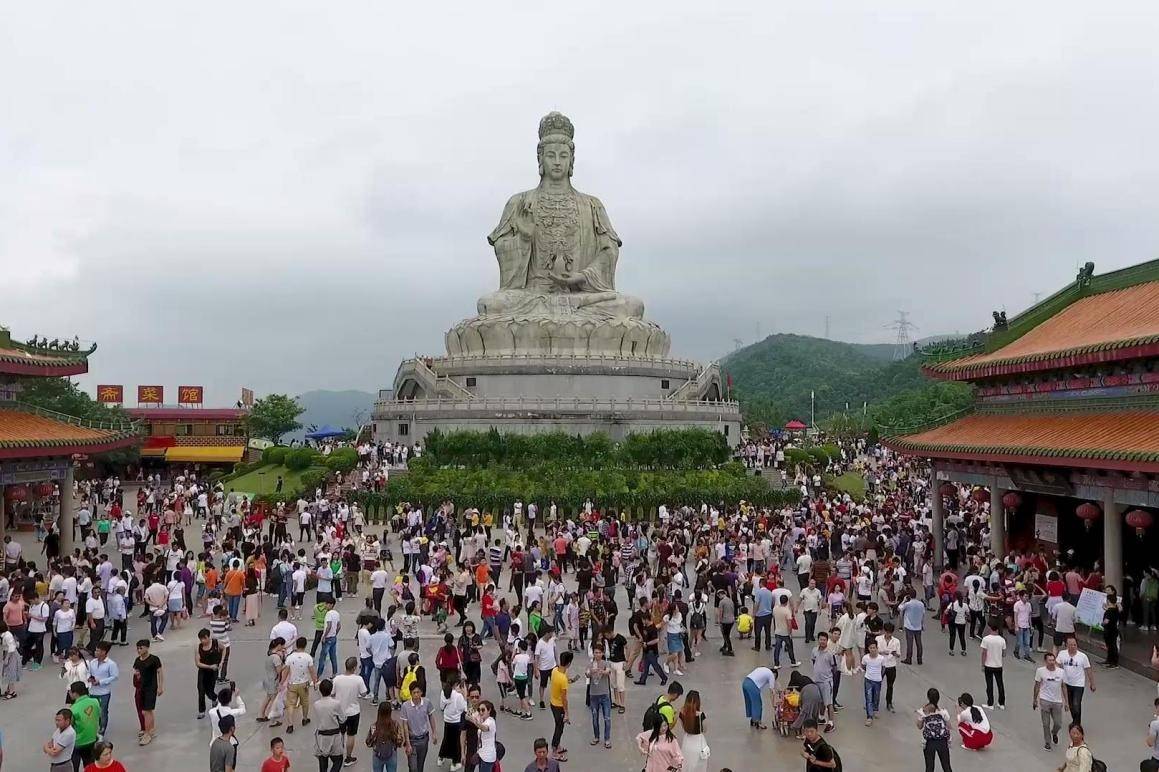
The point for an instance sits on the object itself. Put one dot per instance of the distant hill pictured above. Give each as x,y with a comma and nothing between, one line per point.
774,377
337,408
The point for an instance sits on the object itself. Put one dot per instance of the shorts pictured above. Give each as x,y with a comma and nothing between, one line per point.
675,643
299,599
521,687
544,678
619,677
297,694
826,688
149,700
1060,638
349,725
176,604
389,672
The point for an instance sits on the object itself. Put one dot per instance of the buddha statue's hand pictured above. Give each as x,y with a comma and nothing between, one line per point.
566,282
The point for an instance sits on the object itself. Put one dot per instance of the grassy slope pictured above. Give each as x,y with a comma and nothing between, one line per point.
264,480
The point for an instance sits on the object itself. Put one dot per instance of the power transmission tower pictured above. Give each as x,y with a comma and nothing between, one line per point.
736,344
827,318
902,325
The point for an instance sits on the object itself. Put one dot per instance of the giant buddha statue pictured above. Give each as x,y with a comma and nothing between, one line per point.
557,254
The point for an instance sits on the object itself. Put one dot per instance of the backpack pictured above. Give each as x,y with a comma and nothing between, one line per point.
934,727
408,679
652,716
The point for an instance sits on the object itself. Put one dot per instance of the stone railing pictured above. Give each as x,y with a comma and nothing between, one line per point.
609,359
564,404
123,426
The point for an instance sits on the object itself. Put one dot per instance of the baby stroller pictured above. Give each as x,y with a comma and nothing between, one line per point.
787,710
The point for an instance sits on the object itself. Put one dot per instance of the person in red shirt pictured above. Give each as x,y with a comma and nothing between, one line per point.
278,760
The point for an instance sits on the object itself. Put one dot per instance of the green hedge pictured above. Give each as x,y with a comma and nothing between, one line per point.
634,489
275,455
298,459
342,460
660,449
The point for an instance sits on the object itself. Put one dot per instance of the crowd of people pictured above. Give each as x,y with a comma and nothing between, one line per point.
537,598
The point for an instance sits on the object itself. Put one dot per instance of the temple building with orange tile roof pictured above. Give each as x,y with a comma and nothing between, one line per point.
38,447
1063,432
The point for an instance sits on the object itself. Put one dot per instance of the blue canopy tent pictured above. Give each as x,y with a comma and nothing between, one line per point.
325,433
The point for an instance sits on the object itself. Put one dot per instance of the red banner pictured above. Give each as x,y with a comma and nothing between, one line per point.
190,395
110,394
154,395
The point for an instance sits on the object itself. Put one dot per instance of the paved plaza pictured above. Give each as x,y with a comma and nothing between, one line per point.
1115,716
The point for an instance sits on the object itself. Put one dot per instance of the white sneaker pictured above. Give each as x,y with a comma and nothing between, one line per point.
456,767
159,638
679,672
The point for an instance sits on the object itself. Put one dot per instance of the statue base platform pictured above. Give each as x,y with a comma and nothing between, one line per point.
536,393
563,335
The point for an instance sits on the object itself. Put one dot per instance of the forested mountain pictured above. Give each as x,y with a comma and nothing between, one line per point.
773,380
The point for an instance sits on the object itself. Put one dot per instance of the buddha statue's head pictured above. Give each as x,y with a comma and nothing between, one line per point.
556,151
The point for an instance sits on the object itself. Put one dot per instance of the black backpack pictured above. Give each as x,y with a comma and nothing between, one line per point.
652,717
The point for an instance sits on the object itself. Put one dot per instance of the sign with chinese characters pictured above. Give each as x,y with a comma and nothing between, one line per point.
1046,528
17,472
1089,609
110,394
247,397
10,392
190,395
152,395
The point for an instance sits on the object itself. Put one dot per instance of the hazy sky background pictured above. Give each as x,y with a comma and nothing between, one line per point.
290,196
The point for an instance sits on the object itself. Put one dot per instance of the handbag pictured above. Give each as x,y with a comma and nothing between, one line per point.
705,751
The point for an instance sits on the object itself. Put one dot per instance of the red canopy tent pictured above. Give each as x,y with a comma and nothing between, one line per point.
795,426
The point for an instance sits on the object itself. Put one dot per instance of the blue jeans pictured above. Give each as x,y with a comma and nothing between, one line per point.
652,661
365,668
753,706
1022,644
486,766
782,642
103,699
157,624
64,642
601,705
233,602
872,697
329,646
384,765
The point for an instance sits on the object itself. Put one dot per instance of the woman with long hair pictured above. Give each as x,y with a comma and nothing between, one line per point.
484,720
253,595
471,653
272,680
448,661
660,749
454,705
694,747
384,739
973,724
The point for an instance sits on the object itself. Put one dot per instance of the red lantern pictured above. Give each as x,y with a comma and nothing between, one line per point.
1140,519
980,495
1089,512
44,490
15,493
1011,500
948,490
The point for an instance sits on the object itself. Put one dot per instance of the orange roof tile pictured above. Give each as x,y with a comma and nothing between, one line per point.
22,431
1126,440
1114,320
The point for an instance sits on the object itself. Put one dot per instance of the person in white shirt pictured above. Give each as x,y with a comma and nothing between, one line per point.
379,580
973,725
545,661
1077,677
348,689
874,666
993,648
889,646
229,703
1048,699
284,629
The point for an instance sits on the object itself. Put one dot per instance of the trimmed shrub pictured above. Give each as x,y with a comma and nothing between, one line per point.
298,459
275,455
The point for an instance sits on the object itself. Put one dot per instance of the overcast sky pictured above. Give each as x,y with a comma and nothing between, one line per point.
290,196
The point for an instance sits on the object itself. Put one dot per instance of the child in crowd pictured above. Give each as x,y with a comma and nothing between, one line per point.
744,623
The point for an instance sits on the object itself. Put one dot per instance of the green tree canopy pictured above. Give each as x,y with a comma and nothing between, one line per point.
273,416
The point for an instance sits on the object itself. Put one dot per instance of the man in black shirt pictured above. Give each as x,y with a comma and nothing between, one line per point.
617,648
819,755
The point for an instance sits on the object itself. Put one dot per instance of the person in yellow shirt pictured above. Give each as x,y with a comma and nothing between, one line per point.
744,623
559,712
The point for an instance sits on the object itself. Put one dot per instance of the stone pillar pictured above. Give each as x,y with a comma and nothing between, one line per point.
997,519
1112,542
67,513
938,525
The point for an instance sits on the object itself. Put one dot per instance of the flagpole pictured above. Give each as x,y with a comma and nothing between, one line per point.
812,412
